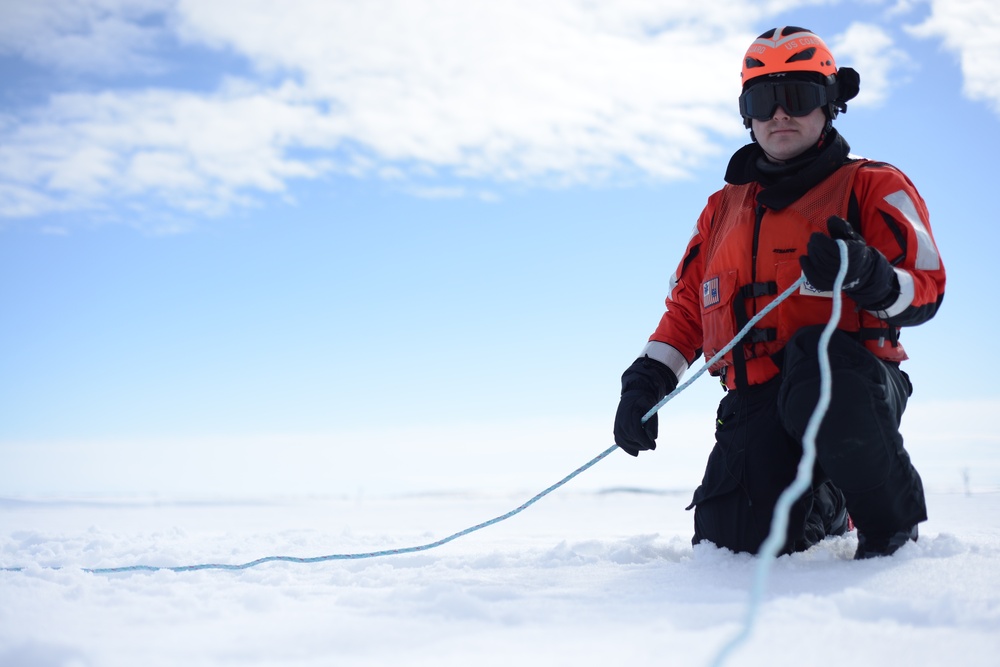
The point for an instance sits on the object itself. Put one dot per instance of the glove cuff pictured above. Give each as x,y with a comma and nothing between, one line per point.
647,374
881,288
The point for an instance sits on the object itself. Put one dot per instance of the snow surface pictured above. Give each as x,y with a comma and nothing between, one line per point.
580,578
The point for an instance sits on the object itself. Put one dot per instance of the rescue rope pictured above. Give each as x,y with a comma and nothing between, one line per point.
803,477
765,560
356,556
730,345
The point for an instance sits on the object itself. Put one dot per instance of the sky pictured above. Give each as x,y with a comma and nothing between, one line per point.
309,246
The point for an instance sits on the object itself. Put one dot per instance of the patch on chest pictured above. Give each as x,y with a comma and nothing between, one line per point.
710,292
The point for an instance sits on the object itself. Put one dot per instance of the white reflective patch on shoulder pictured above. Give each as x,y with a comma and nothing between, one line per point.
672,285
927,253
676,276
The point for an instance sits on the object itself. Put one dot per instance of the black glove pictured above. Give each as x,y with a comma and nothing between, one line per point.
644,383
870,280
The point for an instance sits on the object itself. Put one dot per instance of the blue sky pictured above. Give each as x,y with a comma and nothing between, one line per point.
355,230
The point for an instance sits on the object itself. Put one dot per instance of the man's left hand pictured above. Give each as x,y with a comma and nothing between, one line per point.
870,279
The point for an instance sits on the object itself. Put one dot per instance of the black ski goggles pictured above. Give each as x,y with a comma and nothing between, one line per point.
798,98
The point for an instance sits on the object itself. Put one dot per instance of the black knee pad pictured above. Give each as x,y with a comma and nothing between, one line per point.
854,444
800,379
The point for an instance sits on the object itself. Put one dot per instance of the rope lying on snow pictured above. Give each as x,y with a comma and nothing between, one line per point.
356,556
332,557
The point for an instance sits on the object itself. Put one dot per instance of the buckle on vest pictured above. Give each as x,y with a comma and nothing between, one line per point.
754,290
760,335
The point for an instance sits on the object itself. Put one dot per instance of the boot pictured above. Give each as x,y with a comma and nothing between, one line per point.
876,546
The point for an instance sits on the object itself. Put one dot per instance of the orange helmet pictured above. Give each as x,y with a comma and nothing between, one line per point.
787,49
800,54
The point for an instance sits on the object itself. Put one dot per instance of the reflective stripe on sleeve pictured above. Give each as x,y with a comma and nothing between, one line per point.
927,252
667,355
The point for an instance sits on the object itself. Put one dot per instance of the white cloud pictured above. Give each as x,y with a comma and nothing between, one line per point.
414,91
102,36
871,51
556,93
197,153
18,201
500,90
970,29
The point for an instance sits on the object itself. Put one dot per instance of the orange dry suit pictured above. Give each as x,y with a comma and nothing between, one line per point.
745,249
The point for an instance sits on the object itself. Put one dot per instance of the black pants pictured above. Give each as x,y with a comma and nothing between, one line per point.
861,463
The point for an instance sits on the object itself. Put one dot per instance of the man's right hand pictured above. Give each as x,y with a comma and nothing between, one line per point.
644,383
